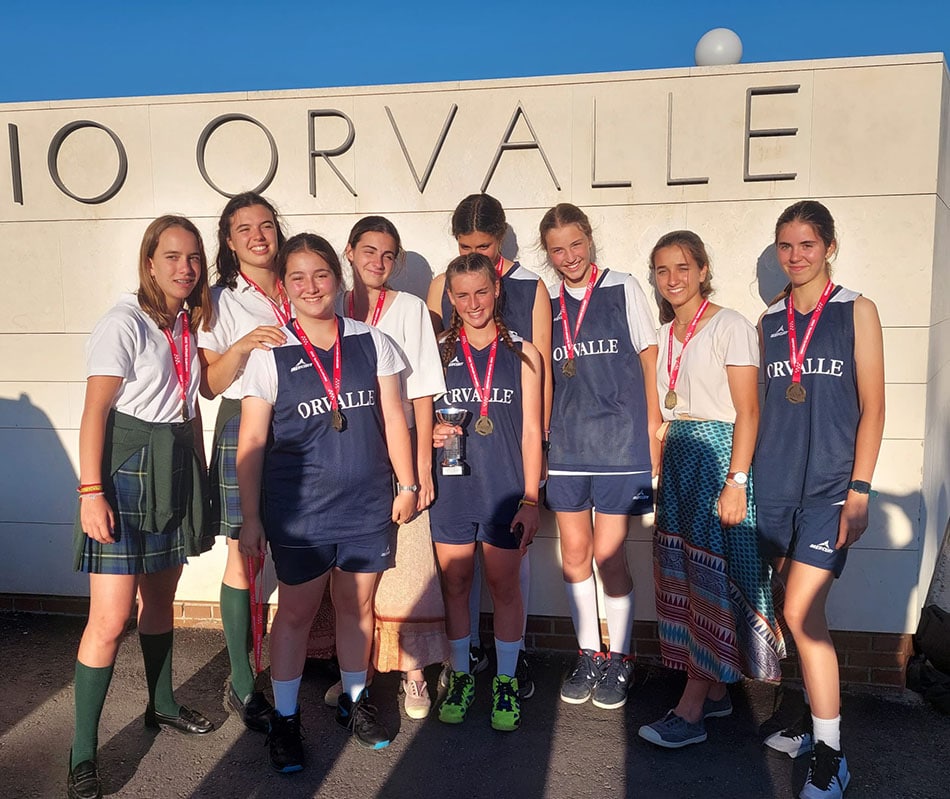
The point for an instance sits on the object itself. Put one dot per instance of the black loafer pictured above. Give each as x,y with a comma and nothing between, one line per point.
255,710
83,781
187,721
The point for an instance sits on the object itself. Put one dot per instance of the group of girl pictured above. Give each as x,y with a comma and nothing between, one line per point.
326,439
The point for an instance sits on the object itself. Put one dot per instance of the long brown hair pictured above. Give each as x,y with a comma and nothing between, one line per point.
150,296
690,243
467,264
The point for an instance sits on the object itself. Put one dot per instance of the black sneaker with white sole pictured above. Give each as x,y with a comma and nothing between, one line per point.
795,740
580,681
523,675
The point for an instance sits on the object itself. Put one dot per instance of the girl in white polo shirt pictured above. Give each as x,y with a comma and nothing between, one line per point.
142,497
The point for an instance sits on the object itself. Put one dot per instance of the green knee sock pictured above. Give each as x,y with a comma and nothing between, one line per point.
90,691
236,618
157,653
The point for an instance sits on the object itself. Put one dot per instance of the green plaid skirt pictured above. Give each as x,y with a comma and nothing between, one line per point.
225,501
136,551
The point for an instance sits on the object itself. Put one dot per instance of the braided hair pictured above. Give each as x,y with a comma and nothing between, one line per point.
468,264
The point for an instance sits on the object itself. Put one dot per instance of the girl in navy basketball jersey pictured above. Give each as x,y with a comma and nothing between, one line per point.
479,225
497,378
603,451
322,430
821,429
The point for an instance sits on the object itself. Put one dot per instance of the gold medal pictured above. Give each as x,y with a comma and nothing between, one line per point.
569,368
484,426
338,420
670,401
795,393
184,410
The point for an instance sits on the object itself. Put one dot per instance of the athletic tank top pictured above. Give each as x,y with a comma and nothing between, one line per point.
490,492
805,452
322,486
599,417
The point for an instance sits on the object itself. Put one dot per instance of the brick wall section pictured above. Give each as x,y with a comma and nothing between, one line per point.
865,658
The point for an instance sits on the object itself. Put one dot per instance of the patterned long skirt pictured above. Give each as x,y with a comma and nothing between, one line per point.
713,595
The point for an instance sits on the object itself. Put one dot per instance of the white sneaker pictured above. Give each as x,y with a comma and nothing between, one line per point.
416,698
795,740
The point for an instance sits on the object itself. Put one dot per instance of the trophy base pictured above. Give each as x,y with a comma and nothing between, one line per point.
452,471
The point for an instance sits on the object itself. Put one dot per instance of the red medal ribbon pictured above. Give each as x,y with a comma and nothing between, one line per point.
796,354
500,266
568,338
181,360
483,393
255,565
282,310
674,370
377,312
332,389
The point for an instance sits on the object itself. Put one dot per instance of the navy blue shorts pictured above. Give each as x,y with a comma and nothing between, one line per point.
805,535
497,535
370,554
616,494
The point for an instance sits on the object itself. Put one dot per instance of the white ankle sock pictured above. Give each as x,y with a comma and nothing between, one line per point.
458,653
353,683
507,653
285,695
619,613
828,731
582,599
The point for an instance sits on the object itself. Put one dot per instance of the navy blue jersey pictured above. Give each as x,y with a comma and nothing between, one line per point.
519,288
489,494
599,417
322,486
805,452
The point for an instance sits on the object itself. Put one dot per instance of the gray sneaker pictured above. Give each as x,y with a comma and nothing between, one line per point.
611,691
673,732
580,681
717,708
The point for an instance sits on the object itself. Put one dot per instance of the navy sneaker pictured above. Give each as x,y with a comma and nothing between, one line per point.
673,732
285,743
523,675
359,718
611,691
828,774
580,681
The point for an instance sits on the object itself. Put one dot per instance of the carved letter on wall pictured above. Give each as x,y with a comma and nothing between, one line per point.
52,158
326,154
505,145
670,180
211,127
421,184
750,134
15,173
594,183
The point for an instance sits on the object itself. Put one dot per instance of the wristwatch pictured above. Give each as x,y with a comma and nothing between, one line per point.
409,489
740,478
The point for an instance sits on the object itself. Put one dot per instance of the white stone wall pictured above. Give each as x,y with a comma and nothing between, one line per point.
871,141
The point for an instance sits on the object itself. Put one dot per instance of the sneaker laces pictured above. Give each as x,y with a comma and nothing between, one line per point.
616,670
456,690
282,726
504,695
799,728
584,668
824,766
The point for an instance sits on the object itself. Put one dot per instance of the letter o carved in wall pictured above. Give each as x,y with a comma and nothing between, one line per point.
52,158
216,123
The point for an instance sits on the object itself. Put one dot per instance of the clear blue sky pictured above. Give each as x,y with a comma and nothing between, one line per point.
54,49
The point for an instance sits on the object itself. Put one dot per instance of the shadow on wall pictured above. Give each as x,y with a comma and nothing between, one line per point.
769,276
413,276
37,502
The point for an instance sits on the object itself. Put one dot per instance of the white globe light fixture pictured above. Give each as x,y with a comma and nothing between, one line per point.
718,47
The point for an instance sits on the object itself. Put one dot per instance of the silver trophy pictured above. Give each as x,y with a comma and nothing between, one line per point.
452,463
